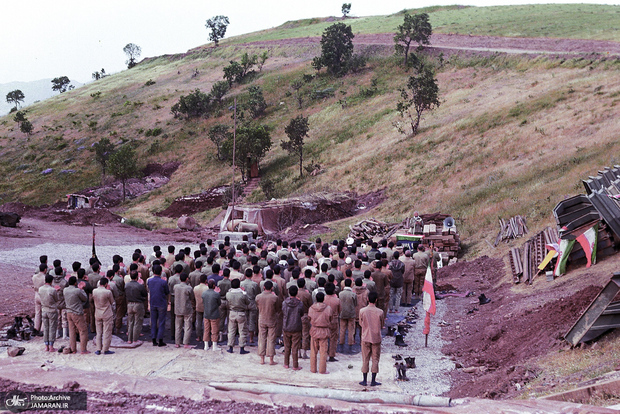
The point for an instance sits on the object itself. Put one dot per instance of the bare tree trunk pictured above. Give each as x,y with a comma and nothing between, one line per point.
301,163
123,190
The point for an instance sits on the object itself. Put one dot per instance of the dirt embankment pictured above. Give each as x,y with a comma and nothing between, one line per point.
505,335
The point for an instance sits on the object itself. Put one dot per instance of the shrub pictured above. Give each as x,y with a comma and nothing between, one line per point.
149,82
153,132
194,105
139,224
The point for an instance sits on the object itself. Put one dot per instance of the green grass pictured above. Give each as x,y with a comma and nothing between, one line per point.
575,21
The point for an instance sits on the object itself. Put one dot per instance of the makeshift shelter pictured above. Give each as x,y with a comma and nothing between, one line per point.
81,201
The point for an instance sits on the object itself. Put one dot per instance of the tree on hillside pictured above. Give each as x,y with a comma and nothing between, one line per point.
336,49
262,59
420,94
253,142
60,84
218,134
26,127
296,85
20,116
247,62
415,29
15,97
103,149
256,102
217,25
233,73
133,52
194,105
99,74
296,131
122,165
346,9
218,90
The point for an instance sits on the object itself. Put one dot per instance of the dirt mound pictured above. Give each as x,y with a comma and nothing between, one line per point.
502,337
16,207
195,203
164,170
79,217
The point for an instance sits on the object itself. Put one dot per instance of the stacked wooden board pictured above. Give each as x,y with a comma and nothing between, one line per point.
511,229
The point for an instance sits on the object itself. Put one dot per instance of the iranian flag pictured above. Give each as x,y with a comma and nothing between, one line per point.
565,248
428,300
588,240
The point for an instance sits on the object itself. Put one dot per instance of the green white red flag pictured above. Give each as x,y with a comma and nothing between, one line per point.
428,300
566,246
588,240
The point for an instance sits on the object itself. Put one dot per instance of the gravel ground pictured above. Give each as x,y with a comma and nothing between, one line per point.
432,373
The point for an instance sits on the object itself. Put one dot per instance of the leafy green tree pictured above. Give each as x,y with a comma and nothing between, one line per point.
194,105
233,73
247,62
346,9
336,49
262,59
15,97
415,29
103,149
26,127
218,90
122,165
256,102
217,25
60,84
420,94
20,116
253,142
296,131
133,52
218,134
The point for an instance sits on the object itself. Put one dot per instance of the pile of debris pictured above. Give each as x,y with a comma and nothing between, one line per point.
510,229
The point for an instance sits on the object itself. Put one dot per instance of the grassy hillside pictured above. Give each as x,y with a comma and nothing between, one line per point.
575,21
512,136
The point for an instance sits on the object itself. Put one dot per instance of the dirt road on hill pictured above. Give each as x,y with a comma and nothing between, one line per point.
483,44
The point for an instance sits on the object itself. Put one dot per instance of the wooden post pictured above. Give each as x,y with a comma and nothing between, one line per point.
233,154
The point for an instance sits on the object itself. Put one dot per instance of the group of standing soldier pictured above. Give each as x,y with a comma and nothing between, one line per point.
306,298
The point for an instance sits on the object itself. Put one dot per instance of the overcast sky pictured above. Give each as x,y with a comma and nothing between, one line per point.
49,38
